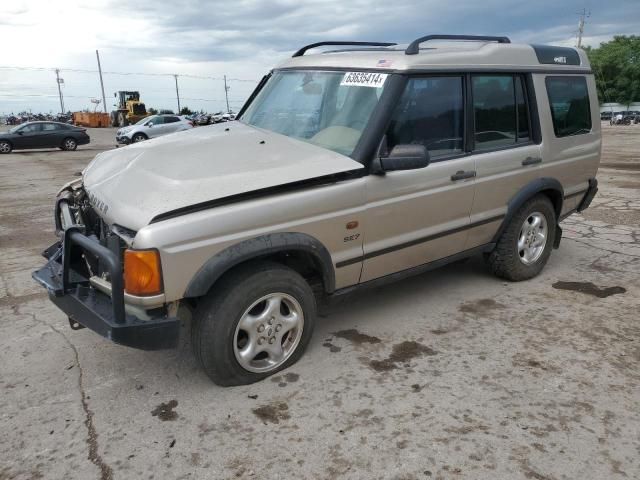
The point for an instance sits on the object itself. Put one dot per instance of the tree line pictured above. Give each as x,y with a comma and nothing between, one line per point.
616,66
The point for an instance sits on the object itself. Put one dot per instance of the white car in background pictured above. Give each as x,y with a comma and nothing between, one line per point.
151,127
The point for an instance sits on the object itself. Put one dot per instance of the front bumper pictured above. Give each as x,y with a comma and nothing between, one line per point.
70,290
123,140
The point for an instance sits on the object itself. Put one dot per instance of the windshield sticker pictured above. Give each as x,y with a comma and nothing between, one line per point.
384,63
364,79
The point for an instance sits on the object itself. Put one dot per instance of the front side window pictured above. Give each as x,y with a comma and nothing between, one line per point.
328,109
500,111
569,102
171,119
31,128
430,113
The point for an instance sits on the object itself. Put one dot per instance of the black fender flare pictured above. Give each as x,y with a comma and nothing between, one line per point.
258,247
525,193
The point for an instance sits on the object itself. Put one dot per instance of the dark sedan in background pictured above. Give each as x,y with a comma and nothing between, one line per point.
43,135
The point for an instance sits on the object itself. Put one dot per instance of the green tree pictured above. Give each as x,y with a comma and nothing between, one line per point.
185,111
616,65
153,111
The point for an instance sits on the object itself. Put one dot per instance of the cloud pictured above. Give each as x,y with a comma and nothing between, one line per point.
244,38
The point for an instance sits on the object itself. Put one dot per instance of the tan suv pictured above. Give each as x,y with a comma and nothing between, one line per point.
346,169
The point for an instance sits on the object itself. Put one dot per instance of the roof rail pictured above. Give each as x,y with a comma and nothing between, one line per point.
414,47
300,52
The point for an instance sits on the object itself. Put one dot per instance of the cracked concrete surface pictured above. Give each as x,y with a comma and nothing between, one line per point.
486,379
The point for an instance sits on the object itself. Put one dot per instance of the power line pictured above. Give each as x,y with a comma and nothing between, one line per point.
82,70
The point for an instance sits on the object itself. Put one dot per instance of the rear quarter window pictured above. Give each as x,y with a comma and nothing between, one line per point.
569,102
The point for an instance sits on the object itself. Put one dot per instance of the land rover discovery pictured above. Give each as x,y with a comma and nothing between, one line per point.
345,169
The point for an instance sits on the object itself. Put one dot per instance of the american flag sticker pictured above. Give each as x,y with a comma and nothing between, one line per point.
384,63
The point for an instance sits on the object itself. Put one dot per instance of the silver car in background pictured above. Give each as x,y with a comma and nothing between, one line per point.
151,127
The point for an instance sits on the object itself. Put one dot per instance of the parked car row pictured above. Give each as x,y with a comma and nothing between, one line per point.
626,117
30,117
209,118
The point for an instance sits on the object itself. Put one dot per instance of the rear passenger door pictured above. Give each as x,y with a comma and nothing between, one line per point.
172,124
51,135
502,144
418,216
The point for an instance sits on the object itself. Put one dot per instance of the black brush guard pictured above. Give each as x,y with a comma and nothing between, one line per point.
70,290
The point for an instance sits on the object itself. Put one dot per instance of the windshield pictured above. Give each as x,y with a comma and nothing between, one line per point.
145,120
15,129
328,109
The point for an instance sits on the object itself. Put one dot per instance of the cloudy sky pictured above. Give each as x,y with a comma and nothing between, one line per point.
203,40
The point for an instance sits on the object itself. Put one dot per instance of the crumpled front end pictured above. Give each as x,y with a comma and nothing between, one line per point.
84,278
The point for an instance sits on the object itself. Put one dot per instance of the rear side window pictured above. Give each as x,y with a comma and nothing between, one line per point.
569,101
500,111
430,113
171,119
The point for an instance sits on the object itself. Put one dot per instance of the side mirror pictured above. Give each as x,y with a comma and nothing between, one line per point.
19,132
405,157
150,124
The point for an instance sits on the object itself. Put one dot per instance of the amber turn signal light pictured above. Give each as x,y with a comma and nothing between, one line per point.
142,272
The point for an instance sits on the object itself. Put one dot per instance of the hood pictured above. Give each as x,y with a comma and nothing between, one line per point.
131,185
126,129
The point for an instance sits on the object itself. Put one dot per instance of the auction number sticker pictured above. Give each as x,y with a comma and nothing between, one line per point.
364,79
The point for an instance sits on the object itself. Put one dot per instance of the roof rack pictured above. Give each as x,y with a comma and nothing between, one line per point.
300,52
414,47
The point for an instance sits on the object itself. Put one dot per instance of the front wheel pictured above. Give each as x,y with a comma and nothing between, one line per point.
139,137
525,245
69,144
5,147
256,321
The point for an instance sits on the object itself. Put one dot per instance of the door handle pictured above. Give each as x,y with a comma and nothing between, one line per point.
461,175
531,161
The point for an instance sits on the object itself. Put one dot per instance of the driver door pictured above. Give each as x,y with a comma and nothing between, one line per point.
157,128
418,216
29,137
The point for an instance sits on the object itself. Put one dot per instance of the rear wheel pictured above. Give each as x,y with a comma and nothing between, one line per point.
257,321
5,147
69,144
139,137
525,246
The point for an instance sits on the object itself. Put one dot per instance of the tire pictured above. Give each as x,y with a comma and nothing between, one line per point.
139,137
69,144
511,262
5,147
237,300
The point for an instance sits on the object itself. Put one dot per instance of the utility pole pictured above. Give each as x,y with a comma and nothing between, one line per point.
59,81
583,15
177,94
226,92
104,100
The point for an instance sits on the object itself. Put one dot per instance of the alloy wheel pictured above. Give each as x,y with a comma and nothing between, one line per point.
268,332
533,238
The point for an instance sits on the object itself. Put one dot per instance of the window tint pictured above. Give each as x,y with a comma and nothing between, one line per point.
569,101
157,120
430,113
48,127
30,128
171,119
500,111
